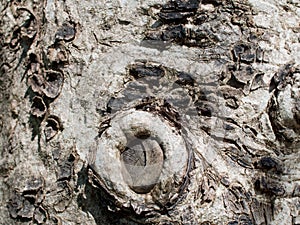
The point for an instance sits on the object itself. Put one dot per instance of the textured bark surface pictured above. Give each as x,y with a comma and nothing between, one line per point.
224,76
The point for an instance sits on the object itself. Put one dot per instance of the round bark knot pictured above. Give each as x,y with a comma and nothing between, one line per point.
142,161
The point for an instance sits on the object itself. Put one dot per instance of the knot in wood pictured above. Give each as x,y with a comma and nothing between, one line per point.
141,159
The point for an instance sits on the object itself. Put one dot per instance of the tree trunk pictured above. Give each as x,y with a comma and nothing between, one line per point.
150,112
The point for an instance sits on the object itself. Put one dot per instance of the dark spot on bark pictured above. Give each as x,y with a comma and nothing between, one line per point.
53,125
178,6
185,79
35,124
233,82
204,108
247,58
174,33
33,58
140,70
53,84
280,77
269,187
267,163
213,2
296,191
38,107
190,5
124,22
66,32
174,17
233,223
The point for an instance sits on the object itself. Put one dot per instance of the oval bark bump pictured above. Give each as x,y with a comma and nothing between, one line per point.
138,154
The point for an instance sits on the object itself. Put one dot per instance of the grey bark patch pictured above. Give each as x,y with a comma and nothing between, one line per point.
23,205
143,160
40,215
57,55
15,204
61,196
66,32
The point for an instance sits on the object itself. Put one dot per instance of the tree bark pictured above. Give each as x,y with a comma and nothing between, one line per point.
202,96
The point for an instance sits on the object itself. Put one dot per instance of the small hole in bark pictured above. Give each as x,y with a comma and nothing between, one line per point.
38,107
53,125
53,84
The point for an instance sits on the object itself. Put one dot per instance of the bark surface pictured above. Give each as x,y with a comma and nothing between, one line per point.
220,79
